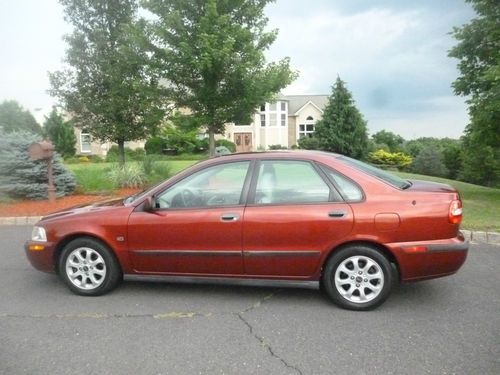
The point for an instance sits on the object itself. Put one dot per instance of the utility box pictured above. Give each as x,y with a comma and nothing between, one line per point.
41,150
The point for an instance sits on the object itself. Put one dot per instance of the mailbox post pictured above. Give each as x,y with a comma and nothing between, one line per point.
44,150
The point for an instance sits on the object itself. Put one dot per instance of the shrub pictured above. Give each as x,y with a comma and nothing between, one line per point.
148,164
162,169
277,147
21,177
127,176
83,159
391,159
155,145
429,161
309,143
137,154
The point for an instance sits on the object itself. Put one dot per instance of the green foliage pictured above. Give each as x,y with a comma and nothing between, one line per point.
277,147
127,176
309,143
163,170
109,86
155,145
342,128
393,141
14,118
148,164
212,54
390,159
21,177
429,161
61,133
478,52
113,154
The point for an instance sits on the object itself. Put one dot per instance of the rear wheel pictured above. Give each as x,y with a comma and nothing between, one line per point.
88,267
357,278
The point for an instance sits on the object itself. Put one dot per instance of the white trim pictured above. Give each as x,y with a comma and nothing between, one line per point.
89,151
309,102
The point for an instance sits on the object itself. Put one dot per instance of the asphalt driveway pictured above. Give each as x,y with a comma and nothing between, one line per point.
444,326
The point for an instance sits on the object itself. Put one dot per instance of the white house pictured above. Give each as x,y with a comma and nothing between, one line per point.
280,123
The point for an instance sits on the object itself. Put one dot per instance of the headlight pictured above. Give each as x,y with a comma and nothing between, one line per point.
39,234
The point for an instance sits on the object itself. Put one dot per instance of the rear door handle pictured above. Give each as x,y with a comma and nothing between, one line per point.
229,217
337,213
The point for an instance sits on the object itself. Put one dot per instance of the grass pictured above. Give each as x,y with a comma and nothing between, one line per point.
481,204
92,177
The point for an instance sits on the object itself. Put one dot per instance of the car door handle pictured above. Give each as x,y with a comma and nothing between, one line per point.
229,217
337,213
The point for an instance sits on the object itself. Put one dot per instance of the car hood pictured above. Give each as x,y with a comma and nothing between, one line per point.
431,187
85,208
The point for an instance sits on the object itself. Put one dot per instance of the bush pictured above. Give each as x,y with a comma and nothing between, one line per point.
21,177
83,159
390,159
148,164
429,161
309,143
136,155
162,169
127,176
277,147
155,146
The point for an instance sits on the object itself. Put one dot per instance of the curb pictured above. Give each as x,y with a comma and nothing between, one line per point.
492,238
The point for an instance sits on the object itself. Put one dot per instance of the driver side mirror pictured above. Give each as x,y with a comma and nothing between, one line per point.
149,204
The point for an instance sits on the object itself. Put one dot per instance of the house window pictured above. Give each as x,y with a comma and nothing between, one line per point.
272,119
307,129
283,119
272,106
262,120
262,107
85,141
283,106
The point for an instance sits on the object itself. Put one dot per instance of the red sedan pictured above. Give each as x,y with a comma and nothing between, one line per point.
284,216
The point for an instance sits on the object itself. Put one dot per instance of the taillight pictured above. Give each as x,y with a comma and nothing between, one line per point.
455,212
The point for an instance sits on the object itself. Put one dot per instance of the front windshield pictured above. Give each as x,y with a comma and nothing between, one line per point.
376,172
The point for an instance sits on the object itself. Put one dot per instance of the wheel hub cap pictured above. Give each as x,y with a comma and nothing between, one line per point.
85,268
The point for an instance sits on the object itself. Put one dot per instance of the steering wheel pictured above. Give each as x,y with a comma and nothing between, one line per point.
188,197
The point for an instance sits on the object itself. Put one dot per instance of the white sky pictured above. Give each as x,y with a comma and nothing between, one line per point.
391,53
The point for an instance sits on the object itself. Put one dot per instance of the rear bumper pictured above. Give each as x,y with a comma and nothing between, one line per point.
430,259
40,255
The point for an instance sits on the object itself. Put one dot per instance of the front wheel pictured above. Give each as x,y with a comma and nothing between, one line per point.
88,267
357,278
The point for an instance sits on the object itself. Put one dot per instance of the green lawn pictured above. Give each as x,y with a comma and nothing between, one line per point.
91,177
481,204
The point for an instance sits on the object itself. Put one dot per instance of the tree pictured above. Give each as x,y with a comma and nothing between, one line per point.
478,51
211,53
342,128
61,134
109,87
14,118
393,141
429,161
21,177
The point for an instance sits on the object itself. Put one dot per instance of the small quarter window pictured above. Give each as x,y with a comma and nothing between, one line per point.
349,190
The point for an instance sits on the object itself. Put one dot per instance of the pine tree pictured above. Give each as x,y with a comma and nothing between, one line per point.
14,118
61,134
342,128
21,177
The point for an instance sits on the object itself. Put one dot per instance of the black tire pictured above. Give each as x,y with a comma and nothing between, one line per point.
93,267
360,291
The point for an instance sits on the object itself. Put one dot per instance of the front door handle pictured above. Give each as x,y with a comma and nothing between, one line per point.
229,217
337,213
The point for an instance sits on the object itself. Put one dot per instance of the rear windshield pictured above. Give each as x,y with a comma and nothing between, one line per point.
376,172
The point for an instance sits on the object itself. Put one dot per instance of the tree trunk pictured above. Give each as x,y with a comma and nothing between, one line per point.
121,153
211,142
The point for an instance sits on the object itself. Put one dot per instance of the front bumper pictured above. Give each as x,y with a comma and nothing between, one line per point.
40,255
430,259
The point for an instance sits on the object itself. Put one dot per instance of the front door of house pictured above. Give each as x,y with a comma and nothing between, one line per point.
243,142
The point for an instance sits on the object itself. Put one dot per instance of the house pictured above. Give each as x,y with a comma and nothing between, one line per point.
283,122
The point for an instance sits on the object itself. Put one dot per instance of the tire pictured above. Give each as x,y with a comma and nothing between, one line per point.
88,267
357,278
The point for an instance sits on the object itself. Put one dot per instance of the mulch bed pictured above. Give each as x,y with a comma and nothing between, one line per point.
40,208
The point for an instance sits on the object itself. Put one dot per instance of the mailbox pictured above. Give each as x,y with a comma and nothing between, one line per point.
41,150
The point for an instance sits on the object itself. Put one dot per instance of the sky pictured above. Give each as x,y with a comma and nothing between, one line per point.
392,54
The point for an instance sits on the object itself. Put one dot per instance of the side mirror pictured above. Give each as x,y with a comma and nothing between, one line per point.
148,204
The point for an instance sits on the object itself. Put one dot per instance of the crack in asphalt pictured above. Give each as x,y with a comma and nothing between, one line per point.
261,339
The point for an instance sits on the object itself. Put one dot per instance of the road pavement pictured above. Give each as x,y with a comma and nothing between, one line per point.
443,326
